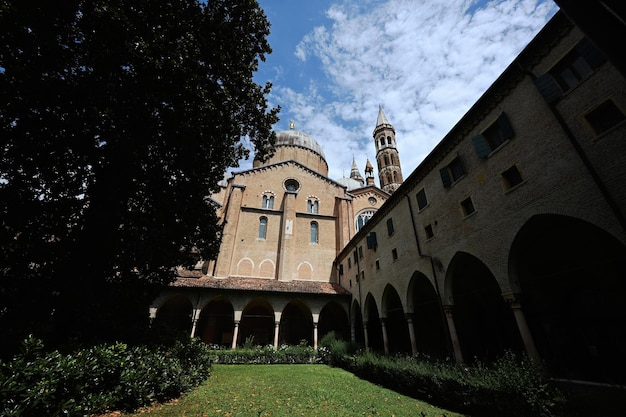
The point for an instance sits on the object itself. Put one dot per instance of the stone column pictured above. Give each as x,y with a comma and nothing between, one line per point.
527,337
352,332
235,335
456,345
366,336
315,336
276,330
383,328
153,313
195,315
409,322
237,319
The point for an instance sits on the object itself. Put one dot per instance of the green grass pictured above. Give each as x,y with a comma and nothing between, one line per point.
291,391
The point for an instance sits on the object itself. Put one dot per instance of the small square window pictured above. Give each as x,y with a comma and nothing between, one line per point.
429,231
362,275
422,201
467,206
604,117
377,264
394,254
360,252
349,263
511,177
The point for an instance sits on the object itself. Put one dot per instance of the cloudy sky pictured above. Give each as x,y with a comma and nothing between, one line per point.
425,61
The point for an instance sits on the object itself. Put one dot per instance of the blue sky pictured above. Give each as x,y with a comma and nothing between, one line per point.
425,61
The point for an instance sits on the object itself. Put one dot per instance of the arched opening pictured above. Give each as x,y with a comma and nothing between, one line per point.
296,324
257,321
428,319
333,318
396,324
571,275
484,321
175,315
216,322
374,329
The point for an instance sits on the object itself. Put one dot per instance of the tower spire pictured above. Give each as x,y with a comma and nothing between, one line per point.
387,157
354,172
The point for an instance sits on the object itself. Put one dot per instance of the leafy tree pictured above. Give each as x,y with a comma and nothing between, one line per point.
117,120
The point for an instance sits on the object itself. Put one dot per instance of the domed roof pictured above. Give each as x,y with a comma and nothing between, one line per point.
350,183
296,138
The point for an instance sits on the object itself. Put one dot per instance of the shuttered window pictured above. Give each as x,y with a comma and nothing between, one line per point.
494,136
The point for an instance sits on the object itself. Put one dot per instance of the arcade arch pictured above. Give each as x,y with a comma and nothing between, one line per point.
570,274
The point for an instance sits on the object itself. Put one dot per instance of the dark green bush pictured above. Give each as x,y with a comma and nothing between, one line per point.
512,386
106,377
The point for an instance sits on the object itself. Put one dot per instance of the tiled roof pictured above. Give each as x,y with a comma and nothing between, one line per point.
261,284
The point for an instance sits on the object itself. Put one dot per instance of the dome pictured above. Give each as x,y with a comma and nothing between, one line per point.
301,139
350,183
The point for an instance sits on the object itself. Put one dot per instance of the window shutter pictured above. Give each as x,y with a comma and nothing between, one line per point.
445,177
548,87
390,229
482,150
505,126
371,241
592,55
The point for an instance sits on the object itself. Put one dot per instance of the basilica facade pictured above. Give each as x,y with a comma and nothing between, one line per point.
275,279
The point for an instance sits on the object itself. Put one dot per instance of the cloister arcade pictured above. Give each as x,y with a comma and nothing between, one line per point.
230,320
567,307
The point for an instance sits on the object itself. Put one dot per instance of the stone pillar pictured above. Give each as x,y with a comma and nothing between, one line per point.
315,336
195,315
522,325
409,322
383,329
276,330
235,335
153,313
366,336
237,319
352,332
229,236
456,345
287,243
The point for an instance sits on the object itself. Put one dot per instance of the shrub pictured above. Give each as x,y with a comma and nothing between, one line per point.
285,354
512,386
97,379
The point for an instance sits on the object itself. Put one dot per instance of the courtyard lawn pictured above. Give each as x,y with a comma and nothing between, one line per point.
290,391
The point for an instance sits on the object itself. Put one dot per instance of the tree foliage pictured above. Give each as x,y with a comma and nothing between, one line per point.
117,120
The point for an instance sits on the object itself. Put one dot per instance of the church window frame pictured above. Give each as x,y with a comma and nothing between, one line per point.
312,205
388,140
362,218
263,227
268,201
315,233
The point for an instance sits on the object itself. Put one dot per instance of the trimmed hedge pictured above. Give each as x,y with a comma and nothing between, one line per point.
285,354
94,380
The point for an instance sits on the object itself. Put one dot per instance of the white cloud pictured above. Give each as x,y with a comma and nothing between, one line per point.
427,62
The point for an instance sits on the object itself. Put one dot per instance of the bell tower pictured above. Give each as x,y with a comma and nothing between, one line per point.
387,157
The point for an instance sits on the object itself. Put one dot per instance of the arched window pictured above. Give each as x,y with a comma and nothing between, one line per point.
382,141
363,217
262,227
386,160
312,206
388,140
268,201
395,176
393,159
314,232
388,178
